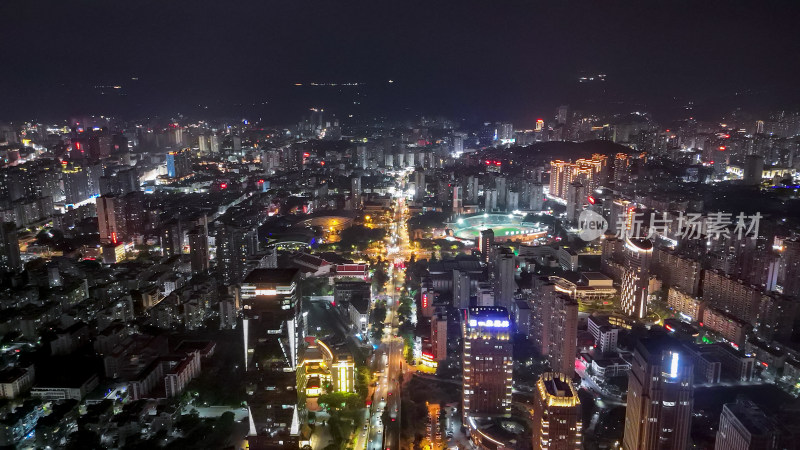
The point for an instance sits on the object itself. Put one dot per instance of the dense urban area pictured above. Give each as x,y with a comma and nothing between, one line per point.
399,225
585,283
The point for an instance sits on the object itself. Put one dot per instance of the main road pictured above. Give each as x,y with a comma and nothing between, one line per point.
384,421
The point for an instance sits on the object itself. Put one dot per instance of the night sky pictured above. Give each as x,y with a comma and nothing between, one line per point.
479,60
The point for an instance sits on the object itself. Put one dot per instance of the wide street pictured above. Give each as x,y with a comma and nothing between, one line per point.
388,357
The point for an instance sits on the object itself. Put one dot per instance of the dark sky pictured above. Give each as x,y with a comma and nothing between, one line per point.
484,60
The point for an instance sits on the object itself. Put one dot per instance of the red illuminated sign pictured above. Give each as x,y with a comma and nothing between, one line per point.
591,200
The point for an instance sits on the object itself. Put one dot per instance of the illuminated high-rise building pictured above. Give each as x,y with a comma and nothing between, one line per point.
198,249
622,168
457,200
636,276
505,285
234,245
556,414
556,325
9,248
588,172
485,244
110,219
355,191
487,362
178,163
576,198
272,330
660,397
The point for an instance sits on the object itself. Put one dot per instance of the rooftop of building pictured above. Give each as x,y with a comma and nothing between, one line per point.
273,276
751,416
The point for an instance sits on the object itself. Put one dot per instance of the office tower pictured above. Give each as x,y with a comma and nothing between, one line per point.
439,335
556,318
458,143
461,289
178,163
457,201
233,248
487,362
119,180
501,186
576,198
485,244
272,330
660,397
505,132
361,157
213,143
790,266
355,191
10,260
471,192
236,143
539,125
556,414
94,172
421,187
744,426
490,200
76,185
506,268
636,277
172,238
535,196
512,201
133,210
111,219
487,134
562,115
753,169
198,250
202,145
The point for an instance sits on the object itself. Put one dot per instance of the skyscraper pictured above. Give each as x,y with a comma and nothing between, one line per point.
9,248
505,286
660,397
636,276
110,219
272,329
487,363
439,335
556,414
556,317
198,249
355,191
457,200
485,244
576,198
588,172
178,163
233,248
744,426
753,169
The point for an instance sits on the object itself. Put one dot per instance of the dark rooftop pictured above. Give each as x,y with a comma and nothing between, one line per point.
284,276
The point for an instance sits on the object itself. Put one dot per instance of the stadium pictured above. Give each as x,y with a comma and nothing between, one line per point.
506,227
